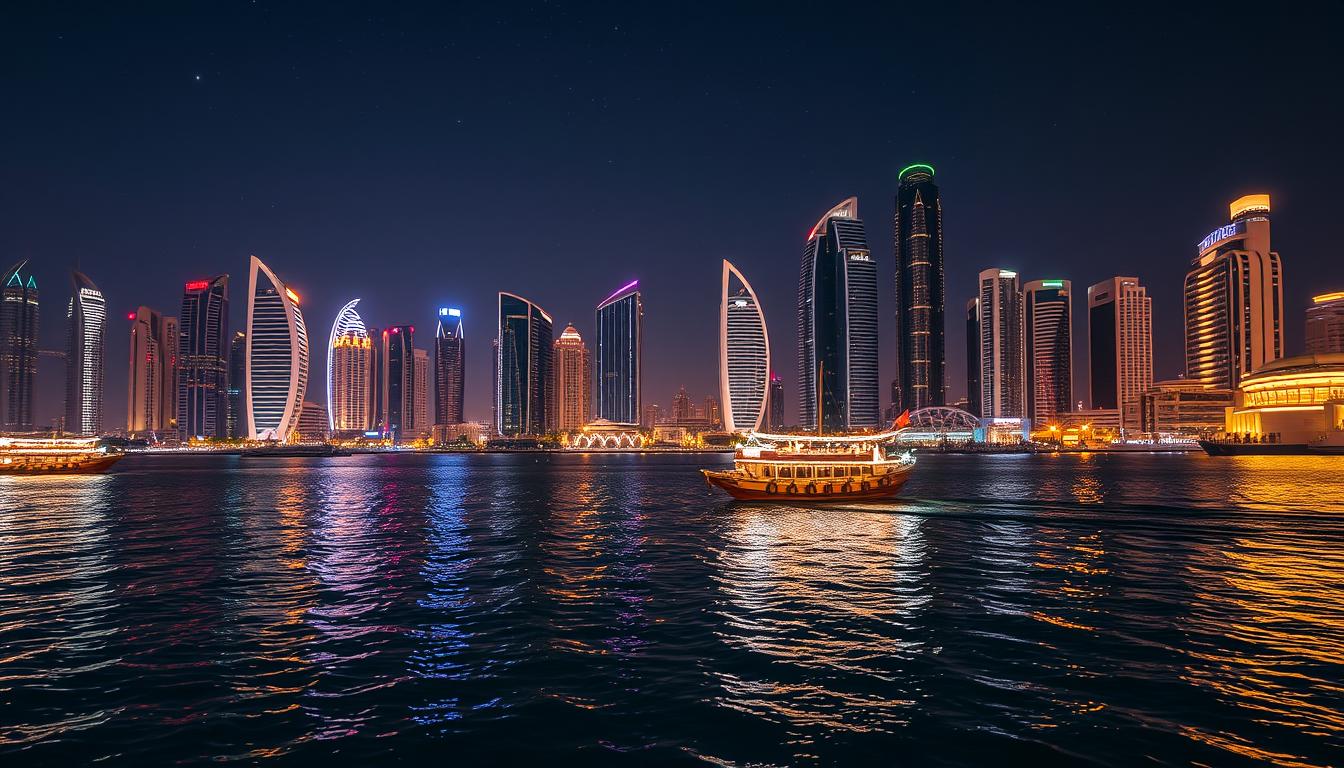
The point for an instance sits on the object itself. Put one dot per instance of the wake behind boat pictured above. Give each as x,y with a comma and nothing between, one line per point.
814,468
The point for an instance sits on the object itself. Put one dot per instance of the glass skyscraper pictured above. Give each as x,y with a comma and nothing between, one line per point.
18,348
744,354
1049,338
524,375
1002,346
86,318
238,385
202,370
398,377
837,325
620,328
277,356
1120,347
920,349
450,367
151,381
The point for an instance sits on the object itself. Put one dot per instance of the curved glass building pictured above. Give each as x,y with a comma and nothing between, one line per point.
524,376
744,353
349,371
837,325
18,348
277,356
920,347
620,330
86,318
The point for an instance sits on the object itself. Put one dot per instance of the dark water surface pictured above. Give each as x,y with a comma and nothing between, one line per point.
1110,610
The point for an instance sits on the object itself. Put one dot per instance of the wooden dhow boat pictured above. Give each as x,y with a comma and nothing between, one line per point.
814,468
55,456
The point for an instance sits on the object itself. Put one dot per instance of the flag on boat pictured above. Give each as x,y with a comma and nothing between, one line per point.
903,420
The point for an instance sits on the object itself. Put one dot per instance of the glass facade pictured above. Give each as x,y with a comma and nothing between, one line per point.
1049,337
744,354
450,367
620,324
18,348
920,346
86,318
277,356
202,370
399,382
524,378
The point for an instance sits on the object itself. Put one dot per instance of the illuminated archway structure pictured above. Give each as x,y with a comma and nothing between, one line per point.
938,423
606,435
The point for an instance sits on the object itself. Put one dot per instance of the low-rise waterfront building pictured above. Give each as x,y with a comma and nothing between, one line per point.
1184,407
1292,400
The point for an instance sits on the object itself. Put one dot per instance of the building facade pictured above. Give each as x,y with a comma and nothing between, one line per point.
1325,324
744,354
1234,299
920,292
777,423
973,356
420,424
1002,346
203,364
238,386
1049,338
314,423
350,373
1120,347
837,325
620,341
1293,400
1183,407
450,367
398,382
276,356
18,348
573,382
151,381
524,374
86,342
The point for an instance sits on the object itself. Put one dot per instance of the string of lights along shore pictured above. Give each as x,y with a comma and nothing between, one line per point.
190,379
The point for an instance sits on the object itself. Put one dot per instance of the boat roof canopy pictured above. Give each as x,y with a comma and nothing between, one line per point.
875,438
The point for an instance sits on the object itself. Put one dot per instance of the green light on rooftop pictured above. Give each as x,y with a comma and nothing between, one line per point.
916,166
1052,283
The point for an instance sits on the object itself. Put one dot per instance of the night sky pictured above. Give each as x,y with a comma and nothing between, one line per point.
424,157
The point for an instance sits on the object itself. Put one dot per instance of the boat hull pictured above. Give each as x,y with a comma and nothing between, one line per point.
79,466
1214,448
747,489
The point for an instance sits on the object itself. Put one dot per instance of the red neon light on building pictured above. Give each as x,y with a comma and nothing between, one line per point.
198,285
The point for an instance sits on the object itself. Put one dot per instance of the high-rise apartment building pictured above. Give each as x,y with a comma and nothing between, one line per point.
350,373
524,373
238,386
420,424
620,337
1120,347
573,382
920,347
1234,299
18,348
203,364
973,356
276,356
398,382
1003,383
1049,339
86,325
744,353
1325,324
776,403
837,324
151,382
450,367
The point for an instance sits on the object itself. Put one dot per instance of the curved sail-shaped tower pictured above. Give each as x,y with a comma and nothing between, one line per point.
349,371
744,354
277,356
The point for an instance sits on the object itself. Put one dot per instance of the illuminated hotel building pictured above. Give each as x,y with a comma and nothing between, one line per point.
238,385
573,382
1120,347
1292,401
1049,339
920,348
86,318
202,370
1325,324
398,382
349,373
1000,339
744,354
620,332
524,378
276,356
1183,407
450,367
837,325
151,383
1234,299
420,425
973,356
18,348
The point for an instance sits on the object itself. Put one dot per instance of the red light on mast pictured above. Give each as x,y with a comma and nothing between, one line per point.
130,315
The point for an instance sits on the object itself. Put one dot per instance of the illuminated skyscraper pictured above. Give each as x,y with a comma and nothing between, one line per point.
1002,348
1234,299
151,384
1049,338
202,370
314,423
525,379
349,373
1325,324
450,367
398,382
573,381
238,385
837,324
420,424
776,403
277,356
1120,347
18,348
620,324
86,323
973,356
920,349
744,354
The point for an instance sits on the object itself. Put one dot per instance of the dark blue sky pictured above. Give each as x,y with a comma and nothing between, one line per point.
426,156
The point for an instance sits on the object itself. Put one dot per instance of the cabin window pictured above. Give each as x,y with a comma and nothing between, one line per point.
867,470
767,471
786,472
804,471
823,471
